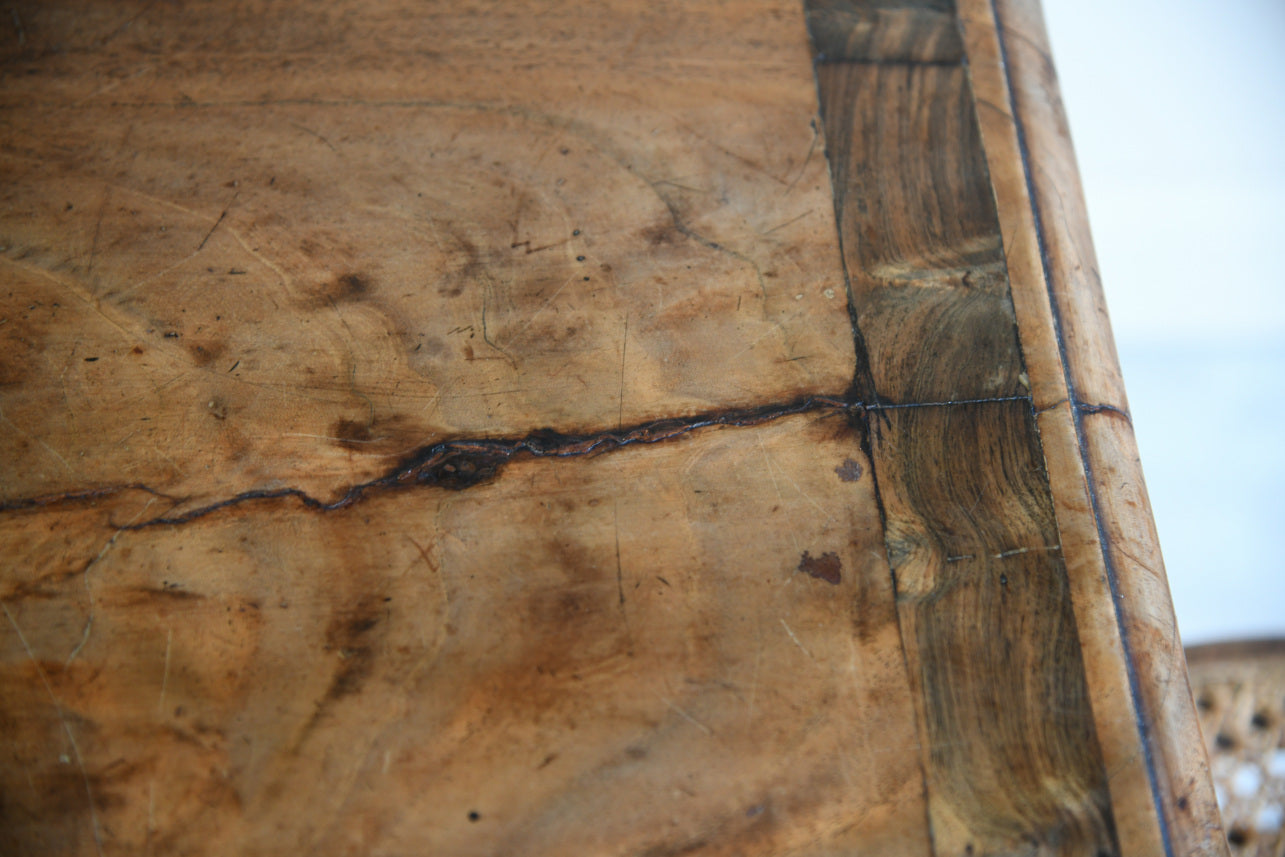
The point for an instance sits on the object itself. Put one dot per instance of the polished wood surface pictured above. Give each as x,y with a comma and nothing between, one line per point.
528,428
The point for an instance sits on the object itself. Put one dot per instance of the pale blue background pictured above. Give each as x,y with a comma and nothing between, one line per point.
1177,111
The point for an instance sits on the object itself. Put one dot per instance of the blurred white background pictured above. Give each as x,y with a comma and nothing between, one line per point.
1177,112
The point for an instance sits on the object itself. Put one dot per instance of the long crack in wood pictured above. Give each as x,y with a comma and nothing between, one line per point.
466,462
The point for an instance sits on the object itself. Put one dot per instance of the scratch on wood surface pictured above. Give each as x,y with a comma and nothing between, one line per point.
98,227
431,653
701,726
263,260
486,333
802,647
66,727
624,349
786,223
423,552
165,673
319,136
1020,551
38,441
771,465
89,593
620,574
531,317
223,214
812,147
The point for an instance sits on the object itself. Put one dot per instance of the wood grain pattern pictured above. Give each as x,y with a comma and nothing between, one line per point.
971,535
607,654
366,251
885,31
526,428
1011,757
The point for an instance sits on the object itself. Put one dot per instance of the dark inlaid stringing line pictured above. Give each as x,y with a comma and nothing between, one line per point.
1077,416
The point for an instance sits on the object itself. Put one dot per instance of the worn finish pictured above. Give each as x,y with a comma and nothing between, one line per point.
573,639
348,254
523,428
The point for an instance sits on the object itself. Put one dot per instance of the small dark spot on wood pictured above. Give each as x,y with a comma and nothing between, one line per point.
1224,741
580,258
350,433
1205,703
826,567
757,809
474,815
204,355
353,284
361,625
1259,720
170,334
659,234
91,359
575,231
1003,580
850,470
136,350
1183,803
1237,837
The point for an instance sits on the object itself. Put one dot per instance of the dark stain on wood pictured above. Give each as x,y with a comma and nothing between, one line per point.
350,433
344,288
206,352
825,567
849,471
349,637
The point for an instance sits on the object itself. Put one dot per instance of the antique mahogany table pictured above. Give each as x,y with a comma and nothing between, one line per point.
528,428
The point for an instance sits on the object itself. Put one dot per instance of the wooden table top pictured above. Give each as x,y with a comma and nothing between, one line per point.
544,428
